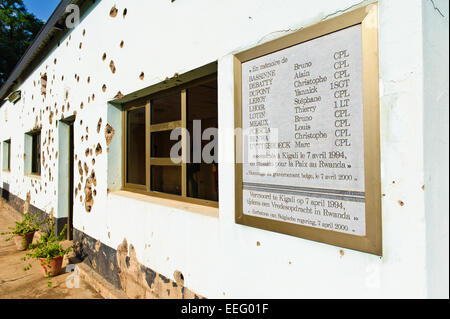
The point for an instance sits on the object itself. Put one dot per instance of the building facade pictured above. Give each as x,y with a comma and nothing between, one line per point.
76,146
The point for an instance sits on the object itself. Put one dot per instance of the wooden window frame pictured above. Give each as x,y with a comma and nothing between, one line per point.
161,127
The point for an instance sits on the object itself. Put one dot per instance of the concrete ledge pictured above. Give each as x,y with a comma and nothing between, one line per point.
102,286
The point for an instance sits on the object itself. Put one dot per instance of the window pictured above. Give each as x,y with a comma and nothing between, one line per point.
7,155
136,146
170,143
33,153
36,154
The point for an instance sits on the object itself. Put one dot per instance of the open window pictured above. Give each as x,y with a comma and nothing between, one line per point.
170,143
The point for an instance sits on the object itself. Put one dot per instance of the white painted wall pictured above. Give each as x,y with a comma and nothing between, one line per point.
436,130
218,258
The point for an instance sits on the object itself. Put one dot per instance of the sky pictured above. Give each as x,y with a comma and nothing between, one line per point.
42,9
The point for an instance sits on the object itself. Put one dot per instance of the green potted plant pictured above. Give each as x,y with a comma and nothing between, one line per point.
23,232
49,252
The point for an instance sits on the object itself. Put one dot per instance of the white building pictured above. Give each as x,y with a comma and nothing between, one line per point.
74,145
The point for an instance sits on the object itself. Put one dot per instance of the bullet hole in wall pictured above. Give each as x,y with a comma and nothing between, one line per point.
98,150
112,66
44,85
99,125
179,278
113,12
118,96
109,134
80,168
93,178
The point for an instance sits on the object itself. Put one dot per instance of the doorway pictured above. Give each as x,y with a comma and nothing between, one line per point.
66,168
71,181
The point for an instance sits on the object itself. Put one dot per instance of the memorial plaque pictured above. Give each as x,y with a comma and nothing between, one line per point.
308,157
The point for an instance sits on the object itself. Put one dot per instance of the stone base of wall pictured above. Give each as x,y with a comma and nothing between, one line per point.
121,268
24,206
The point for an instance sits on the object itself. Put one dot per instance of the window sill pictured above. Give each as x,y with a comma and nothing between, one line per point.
189,207
33,176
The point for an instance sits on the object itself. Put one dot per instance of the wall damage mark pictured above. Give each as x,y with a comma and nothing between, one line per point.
139,282
113,12
99,125
437,9
109,134
89,199
80,168
98,150
118,96
112,66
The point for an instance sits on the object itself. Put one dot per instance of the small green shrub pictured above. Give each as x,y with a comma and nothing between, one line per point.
47,247
28,225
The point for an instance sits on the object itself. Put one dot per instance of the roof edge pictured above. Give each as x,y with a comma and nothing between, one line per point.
28,55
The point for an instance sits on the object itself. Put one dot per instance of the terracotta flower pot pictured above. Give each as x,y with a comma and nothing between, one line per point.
23,241
53,268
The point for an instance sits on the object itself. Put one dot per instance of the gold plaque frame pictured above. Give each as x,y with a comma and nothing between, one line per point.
367,16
